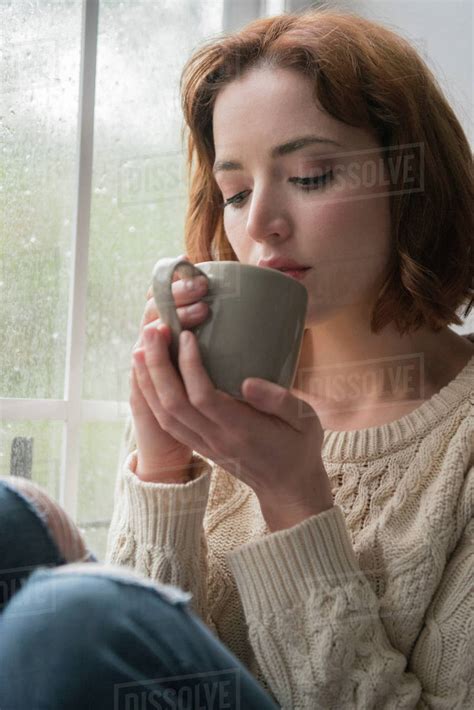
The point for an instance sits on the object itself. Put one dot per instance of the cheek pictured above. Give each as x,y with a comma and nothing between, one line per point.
234,228
352,229
351,249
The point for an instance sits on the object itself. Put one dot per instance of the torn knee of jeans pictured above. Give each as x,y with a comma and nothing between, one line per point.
63,529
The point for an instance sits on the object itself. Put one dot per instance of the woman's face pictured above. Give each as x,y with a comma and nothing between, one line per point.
340,227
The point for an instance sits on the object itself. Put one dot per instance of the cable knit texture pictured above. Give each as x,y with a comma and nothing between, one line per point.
369,605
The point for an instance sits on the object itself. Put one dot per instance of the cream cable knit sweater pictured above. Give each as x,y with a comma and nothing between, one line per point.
369,605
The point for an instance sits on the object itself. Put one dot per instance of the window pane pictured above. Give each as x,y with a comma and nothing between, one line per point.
139,191
39,80
46,450
100,448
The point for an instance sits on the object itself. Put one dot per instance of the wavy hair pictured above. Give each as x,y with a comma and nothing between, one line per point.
368,77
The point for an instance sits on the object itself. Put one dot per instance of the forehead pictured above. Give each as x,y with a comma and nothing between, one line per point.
268,106
275,96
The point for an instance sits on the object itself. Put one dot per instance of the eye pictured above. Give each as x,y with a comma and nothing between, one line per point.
312,183
304,183
235,201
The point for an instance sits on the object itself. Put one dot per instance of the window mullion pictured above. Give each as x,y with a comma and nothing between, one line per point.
76,324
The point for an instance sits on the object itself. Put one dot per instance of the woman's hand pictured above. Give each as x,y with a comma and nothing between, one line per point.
272,441
161,458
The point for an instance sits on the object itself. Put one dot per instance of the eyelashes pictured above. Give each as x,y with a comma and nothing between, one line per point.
312,183
306,184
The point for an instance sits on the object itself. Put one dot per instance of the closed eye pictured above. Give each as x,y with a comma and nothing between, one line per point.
304,183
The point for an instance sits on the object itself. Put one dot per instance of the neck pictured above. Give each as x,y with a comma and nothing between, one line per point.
345,367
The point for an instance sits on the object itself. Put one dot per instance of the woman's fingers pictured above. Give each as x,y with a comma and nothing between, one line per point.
184,300
163,376
146,395
189,396
182,294
138,403
149,293
168,398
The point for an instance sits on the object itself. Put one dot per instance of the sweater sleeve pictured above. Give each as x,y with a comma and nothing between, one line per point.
157,528
315,627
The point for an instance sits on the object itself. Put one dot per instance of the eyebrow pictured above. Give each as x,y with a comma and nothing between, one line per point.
276,152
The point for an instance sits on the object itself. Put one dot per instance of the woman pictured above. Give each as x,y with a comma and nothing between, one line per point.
323,534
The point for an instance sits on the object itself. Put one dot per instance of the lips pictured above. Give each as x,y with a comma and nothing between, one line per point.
282,264
295,273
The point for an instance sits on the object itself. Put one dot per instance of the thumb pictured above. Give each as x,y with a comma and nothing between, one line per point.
273,399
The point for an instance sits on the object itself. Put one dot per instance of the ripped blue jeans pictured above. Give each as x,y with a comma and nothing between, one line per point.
88,636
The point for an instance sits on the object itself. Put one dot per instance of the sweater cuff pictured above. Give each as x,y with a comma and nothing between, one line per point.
284,568
166,513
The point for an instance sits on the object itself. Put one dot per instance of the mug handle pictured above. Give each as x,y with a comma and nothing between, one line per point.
162,278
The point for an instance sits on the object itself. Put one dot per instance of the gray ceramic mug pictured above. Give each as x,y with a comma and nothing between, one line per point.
255,324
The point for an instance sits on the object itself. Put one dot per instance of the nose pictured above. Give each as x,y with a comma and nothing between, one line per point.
267,216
